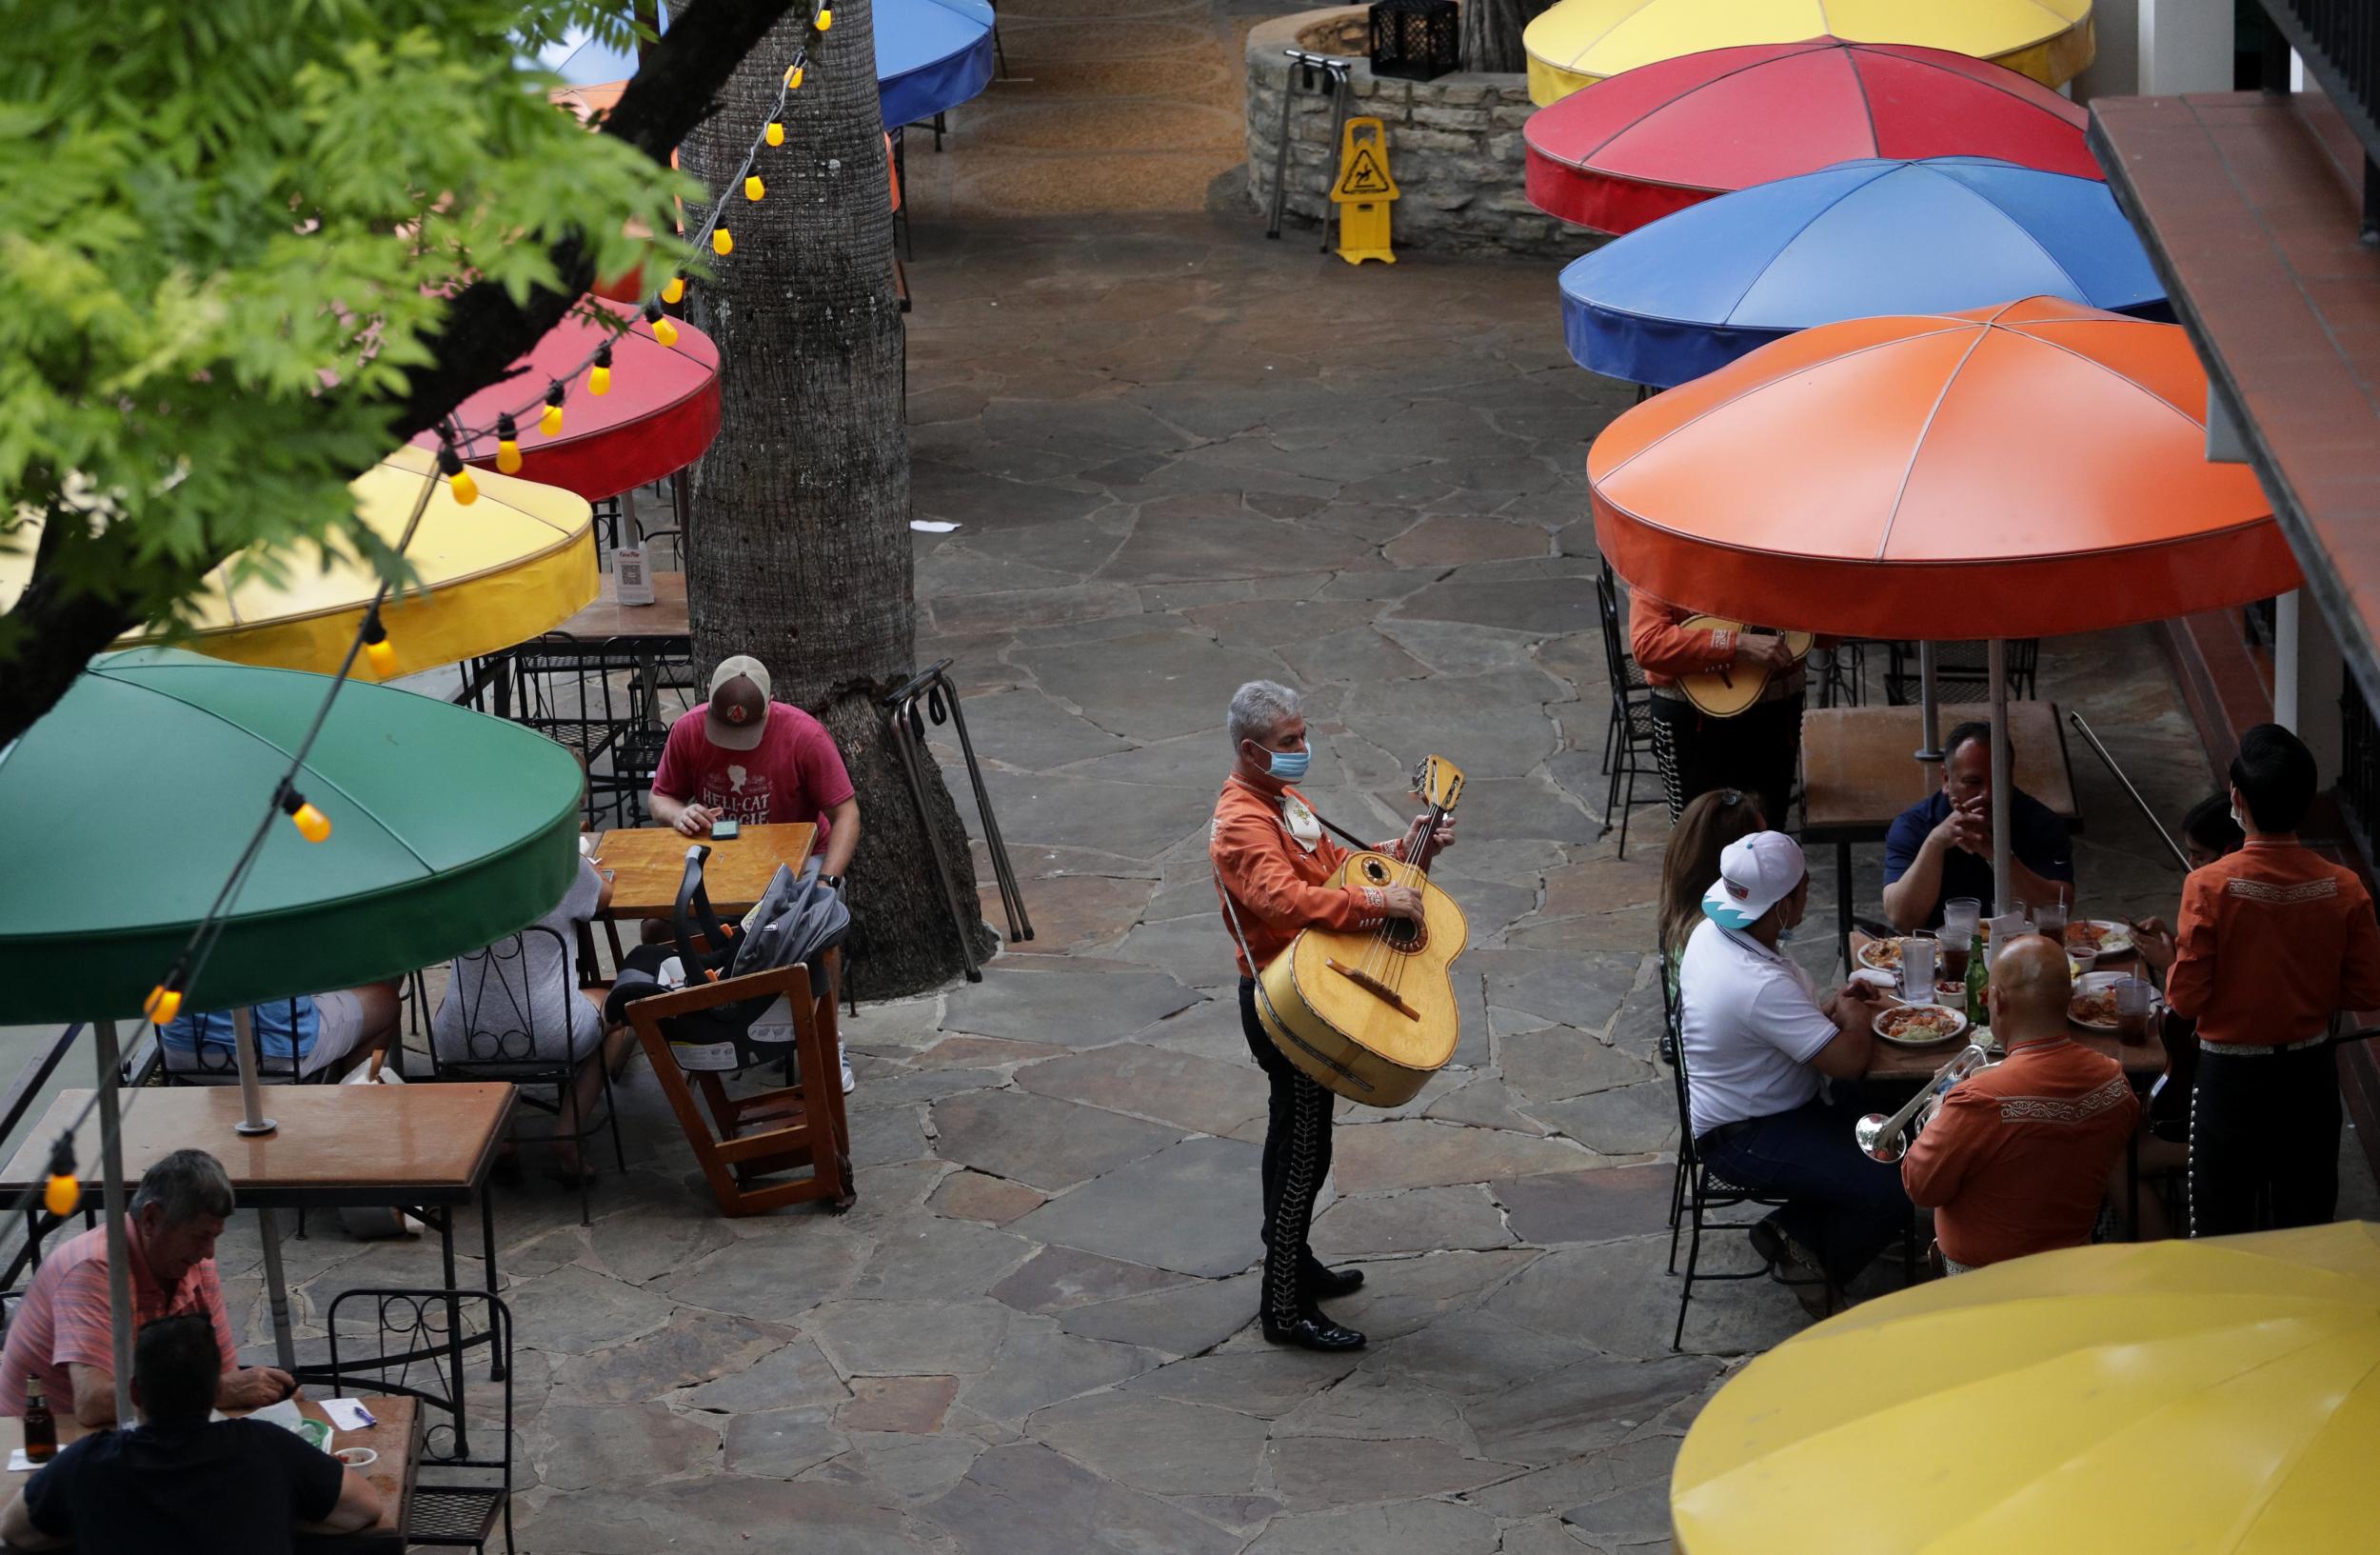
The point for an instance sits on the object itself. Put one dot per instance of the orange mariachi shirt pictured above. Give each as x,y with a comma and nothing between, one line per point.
2016,1161
1270,857
1666,650
2272,938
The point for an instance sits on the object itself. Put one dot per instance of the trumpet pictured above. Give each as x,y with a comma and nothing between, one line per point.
1887,1139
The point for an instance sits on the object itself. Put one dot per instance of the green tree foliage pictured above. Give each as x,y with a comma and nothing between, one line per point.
248,245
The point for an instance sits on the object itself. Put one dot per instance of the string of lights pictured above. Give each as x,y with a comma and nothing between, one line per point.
61,1193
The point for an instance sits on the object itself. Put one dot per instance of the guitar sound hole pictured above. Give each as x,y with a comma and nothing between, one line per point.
1406,937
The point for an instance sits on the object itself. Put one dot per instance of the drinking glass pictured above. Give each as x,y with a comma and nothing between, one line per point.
2132,1012
1961,915
2049,919
1917,970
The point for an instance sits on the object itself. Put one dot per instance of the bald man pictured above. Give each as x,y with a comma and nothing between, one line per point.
2016,1160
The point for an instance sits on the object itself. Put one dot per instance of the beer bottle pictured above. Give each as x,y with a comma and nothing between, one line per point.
1977,980
41,1431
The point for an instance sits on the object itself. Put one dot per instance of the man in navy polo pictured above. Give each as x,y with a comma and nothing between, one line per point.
1940,849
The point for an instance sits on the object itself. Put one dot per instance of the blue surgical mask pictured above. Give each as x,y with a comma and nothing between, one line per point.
1289,766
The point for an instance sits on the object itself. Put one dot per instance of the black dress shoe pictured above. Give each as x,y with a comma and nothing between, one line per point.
1312,1332
1322,1283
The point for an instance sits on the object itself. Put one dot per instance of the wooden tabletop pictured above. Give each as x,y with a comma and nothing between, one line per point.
648,864
336,1145
396,1436
2142,1062
607,617
1861,769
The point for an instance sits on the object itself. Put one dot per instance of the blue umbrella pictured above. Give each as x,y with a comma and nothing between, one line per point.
931,55
1694,290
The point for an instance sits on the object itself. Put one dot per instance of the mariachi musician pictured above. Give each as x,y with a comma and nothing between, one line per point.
1760,749
1271,860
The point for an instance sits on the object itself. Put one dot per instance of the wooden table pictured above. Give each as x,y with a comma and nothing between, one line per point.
396,1436
666,617
1859,771
648,864
2142,1062
424,1147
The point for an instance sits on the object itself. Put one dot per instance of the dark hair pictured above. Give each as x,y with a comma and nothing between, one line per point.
2274,774
1691,863
1974,729
177,1364
2210,825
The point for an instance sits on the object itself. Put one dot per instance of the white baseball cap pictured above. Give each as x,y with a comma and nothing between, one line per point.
738,713
1756,874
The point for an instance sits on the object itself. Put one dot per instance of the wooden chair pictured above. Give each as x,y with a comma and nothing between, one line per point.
747,1143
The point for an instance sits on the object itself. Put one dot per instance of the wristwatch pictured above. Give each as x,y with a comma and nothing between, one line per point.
833,881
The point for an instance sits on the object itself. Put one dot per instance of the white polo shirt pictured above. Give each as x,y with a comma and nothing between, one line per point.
1748,1022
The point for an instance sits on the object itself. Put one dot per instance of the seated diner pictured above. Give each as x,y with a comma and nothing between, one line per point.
1939,849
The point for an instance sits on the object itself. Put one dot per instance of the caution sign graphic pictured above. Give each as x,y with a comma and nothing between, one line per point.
1363,191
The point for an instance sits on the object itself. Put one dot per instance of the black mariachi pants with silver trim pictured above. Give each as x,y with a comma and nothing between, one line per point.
1296,1158
2264,1139
1758,751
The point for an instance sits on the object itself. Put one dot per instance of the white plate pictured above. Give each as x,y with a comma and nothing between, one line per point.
1872,955
1953,1035
2116,940
2094,983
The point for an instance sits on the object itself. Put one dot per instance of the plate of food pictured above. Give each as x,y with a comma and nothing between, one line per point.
2094,1005
1919,1026
2087,939
1884,955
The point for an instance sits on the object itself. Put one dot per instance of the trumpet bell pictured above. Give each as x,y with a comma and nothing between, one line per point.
1877,1143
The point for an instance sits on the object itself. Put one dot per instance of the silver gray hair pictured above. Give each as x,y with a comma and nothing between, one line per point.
1259,708
186,1185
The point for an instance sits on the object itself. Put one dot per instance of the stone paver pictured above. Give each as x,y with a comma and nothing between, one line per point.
1179,456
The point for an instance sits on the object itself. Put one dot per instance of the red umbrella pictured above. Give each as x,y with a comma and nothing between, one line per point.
1631,149
660,413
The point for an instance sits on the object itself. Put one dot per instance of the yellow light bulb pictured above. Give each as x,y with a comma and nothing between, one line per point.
599,381
675,290
825,18
465,488
62,1196
665,331
776,127
752,190
312,824
721,243
161,1005
382,655
793,79
508,457
549,421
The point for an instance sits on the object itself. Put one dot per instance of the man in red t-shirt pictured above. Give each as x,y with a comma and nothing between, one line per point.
743,758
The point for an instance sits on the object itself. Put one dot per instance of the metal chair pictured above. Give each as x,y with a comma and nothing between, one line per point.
1962,671
412,1342
500,1040
1696,1192
588,695
212,1060
1627,749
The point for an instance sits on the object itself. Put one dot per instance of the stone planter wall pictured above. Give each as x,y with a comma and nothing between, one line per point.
1453,144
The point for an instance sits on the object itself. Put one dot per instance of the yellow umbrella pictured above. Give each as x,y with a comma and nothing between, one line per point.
519,561
1580,42
2219,1396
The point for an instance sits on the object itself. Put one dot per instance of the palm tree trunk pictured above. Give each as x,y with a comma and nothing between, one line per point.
798,550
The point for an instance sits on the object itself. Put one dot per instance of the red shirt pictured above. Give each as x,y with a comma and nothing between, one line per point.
2017,1159
1271,882
2272,938
64,1318
793,774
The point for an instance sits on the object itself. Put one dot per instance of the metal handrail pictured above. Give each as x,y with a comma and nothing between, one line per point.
2339,42
18,1100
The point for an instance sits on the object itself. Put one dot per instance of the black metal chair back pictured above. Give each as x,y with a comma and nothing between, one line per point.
415,1343
1628,734
1962,672
215,1059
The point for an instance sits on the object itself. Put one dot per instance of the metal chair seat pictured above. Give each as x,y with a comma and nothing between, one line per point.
455,1514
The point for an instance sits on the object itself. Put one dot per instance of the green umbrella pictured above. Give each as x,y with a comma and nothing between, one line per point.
124,809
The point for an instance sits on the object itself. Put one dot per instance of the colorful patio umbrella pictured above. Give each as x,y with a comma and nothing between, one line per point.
2014,471
1578,42
1693,291
448,830
1664,136
661,414
2220,1395
518,561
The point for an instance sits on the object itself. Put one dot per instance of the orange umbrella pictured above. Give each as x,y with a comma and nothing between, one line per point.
2014,471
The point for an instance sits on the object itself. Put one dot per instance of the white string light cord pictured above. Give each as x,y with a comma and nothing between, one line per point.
62,1193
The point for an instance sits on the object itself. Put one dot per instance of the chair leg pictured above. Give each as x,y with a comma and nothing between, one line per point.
1693,1257
1628,803
578,1142
1676,1214
611,1111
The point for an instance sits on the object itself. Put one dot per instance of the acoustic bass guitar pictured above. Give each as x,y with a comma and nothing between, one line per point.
1371,1013
1723,693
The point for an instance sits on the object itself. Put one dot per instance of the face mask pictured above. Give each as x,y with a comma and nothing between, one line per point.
1289,766
2241,821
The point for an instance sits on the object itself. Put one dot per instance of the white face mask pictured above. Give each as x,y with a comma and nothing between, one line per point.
2241,821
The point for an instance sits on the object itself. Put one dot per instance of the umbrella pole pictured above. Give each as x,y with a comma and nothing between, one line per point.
251,1093
112,1181
1929,704
1997,668
276,1289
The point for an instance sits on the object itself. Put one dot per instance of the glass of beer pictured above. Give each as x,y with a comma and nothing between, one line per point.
2135,1009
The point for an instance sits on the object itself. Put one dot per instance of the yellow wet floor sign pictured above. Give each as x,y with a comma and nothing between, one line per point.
1363,191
